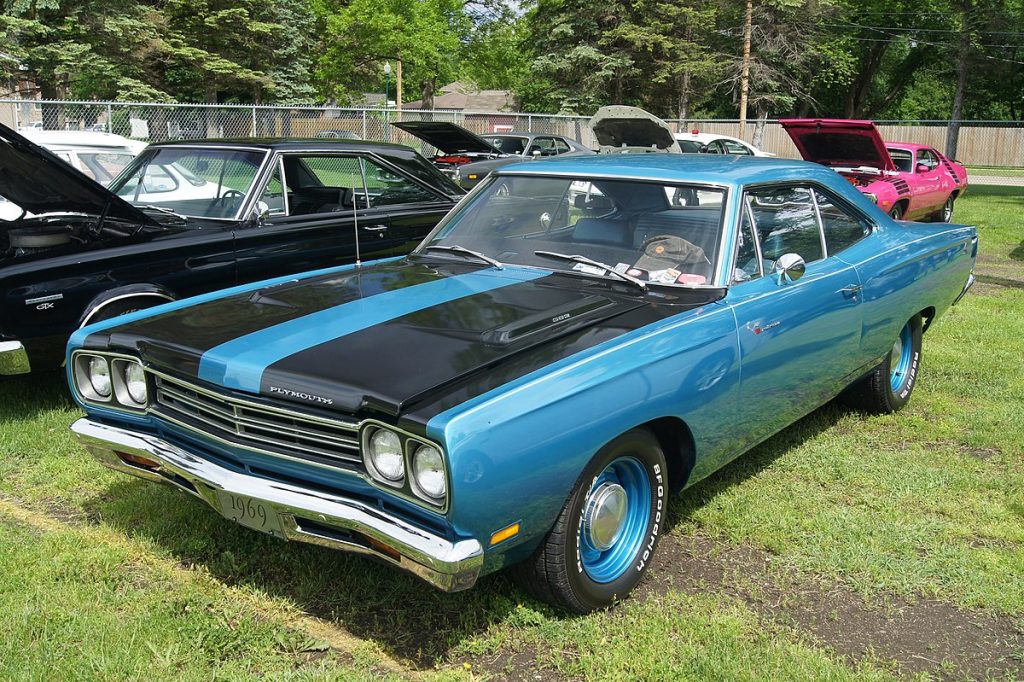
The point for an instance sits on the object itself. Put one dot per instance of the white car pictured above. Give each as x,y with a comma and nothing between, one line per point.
709,143
101,156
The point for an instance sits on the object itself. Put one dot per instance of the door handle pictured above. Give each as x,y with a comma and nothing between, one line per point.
852,291
375,228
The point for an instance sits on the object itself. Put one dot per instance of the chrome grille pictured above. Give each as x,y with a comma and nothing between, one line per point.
261,427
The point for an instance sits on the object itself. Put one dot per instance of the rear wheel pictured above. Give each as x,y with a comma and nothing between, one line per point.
945,214
889,385
605,535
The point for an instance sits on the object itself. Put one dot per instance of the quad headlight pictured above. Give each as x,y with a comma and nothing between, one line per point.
428,472
402,460
116,380
384,456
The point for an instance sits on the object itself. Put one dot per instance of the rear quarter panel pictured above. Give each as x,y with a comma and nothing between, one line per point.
907,268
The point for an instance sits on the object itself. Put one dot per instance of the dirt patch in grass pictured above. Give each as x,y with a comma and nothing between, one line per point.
924,635
519,665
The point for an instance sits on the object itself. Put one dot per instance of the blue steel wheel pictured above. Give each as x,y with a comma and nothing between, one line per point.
888,386
603,539
901,358
614,520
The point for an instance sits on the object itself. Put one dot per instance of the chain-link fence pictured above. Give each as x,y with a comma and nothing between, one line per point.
981,143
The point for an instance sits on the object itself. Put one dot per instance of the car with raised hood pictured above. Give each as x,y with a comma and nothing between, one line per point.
468,158
529,387
908,181
621,129
187,218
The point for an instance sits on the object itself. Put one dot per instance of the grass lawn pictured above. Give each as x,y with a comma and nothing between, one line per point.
846,547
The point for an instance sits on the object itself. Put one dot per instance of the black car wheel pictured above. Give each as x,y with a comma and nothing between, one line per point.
606,534
889,385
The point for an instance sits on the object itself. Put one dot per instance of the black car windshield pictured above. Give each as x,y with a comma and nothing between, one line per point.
659,233
507,144
195,182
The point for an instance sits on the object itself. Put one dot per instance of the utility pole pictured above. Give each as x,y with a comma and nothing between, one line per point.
398,85
953,132
745,69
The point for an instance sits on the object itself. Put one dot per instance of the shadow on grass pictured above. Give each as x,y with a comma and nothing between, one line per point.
1018,252
25,396
372,601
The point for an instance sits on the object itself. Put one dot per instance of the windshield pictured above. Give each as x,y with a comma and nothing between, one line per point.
507,144
104,165
658,233
201,183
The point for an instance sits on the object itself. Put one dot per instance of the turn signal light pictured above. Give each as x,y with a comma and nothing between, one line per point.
139,461
505,534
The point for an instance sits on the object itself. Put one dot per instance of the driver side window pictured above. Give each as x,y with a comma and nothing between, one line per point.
786,222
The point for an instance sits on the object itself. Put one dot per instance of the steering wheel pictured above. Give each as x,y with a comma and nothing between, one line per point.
221,201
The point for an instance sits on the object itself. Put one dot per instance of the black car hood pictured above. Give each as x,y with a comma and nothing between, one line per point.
448,137
386,339
40,183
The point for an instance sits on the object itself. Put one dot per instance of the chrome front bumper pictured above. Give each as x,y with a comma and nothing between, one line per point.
13,358
306,515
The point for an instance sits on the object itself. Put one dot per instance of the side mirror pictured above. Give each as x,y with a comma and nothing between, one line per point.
789,267
535,153
921,168
260,212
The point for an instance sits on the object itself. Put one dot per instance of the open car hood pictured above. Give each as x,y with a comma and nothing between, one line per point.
630,129
41,183
834,142
448,137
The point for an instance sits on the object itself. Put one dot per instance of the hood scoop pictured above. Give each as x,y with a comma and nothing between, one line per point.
547,320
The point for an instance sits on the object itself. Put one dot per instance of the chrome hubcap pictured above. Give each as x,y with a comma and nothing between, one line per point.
605,515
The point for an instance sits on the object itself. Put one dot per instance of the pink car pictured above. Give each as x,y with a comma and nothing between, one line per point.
908,181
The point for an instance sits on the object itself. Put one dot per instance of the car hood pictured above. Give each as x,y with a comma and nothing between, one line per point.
839,142
621,128
386,338
41,183
448,137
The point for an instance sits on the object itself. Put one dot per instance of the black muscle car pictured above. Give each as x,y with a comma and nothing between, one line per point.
190,217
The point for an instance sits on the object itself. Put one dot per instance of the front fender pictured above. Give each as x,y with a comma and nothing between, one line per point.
145,290
516,453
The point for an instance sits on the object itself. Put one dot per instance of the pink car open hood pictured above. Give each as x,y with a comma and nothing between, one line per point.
836,142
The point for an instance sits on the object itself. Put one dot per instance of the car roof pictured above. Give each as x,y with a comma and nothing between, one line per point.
708,137
907,146
714,169
292,144
73,139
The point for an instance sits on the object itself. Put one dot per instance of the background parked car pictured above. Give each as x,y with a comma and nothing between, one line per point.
530,386
907,181
468,158
186,218
696,142
101,156
631,130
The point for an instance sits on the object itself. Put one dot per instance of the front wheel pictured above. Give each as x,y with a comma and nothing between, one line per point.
888,386
606,533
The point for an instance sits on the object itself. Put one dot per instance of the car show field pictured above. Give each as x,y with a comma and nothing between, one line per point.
847,546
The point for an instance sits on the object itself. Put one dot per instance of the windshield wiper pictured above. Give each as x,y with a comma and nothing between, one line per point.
165,211
597,264
469,252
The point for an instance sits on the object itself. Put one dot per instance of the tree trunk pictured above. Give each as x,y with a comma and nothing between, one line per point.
953,133
428,98
745,68
684,97
762,121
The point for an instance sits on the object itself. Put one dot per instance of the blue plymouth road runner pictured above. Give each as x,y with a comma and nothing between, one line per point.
575,342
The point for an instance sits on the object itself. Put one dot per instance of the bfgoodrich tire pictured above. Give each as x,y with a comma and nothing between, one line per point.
607,532
888,387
